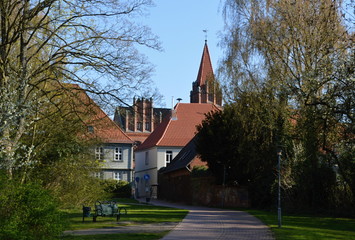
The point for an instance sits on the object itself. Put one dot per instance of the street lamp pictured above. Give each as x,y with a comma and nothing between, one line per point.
279,188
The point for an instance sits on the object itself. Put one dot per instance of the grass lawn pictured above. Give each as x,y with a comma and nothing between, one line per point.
308,227
136,214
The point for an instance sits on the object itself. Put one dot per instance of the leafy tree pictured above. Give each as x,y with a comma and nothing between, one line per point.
240,143
61,156
303,50
46,43
47,46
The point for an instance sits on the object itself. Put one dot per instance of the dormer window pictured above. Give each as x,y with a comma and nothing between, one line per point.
90,129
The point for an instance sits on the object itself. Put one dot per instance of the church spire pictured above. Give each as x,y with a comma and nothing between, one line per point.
205,89
205,71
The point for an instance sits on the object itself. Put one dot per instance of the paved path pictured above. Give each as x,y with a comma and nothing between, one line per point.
201,223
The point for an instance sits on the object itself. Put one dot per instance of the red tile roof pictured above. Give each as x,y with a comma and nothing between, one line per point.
180,131
138,136
105,129
205,71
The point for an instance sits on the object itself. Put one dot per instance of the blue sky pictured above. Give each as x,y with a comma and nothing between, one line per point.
179,26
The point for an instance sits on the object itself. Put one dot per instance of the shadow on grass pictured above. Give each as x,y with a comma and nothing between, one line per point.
129,236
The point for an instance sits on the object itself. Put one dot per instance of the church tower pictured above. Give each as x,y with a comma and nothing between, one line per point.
205,89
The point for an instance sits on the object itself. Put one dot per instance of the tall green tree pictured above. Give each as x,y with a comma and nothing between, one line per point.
240,143
303,49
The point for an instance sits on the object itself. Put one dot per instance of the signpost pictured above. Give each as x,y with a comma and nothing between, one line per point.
279,188
147,188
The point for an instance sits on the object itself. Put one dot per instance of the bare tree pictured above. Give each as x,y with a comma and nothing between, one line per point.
45,44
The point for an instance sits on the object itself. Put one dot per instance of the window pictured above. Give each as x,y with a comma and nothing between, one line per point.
118,154
168,157
147,126
117,175
99,175
139,126
99,153
90,129
146,158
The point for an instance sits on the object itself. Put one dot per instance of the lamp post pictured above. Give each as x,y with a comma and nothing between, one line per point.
279,153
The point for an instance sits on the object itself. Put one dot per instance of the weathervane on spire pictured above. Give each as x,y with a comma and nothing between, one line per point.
205,31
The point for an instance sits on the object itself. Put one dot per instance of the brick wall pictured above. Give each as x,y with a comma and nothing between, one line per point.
200,191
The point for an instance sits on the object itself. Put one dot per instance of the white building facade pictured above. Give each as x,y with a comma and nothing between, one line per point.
148,163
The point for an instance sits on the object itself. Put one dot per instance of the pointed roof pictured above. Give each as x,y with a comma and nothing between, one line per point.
205,71
177,133
106,129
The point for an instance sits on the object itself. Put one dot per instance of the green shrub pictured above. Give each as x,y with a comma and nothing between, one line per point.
119,189
28,212
201,171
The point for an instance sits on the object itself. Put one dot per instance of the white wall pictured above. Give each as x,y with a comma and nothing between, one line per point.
156,161
161,155
144,167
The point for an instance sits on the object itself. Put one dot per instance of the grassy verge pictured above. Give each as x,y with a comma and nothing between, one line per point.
308,227
136,214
